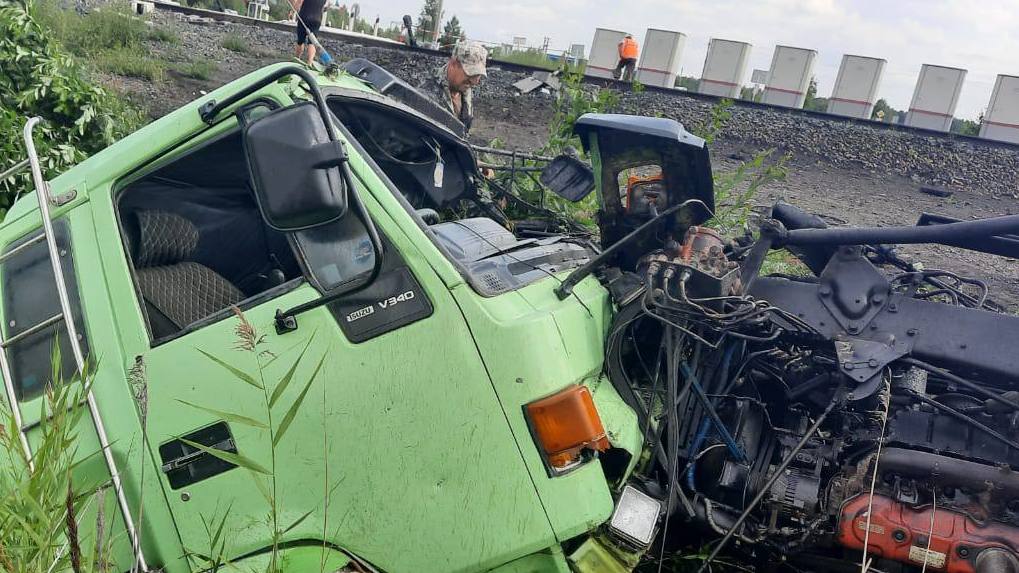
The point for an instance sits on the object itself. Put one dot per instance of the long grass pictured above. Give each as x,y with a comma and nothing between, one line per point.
198,70
42,502
535,58
275,420
235,43
128,63
110,37
111,27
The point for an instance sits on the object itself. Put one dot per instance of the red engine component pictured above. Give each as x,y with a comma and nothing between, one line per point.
899,533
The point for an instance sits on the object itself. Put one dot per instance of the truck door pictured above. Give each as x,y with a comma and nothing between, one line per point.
397,448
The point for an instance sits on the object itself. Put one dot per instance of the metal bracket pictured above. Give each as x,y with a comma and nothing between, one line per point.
852,290
61,200
863,360
205,111
285,322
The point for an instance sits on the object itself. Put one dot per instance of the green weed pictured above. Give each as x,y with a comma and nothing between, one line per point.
235,43
111,27
274,422
43,505
165,35
533,57
199,70
126,62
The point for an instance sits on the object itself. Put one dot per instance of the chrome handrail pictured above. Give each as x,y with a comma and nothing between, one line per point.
43,195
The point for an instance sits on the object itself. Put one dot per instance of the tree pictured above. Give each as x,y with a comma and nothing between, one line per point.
429,19
887,114
966,126
811,101
451,33
687,82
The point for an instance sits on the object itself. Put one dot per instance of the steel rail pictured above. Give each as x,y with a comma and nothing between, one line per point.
605,82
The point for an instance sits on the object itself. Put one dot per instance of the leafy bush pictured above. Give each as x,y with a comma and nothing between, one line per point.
40,79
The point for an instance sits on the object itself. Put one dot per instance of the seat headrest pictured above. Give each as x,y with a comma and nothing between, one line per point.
164,238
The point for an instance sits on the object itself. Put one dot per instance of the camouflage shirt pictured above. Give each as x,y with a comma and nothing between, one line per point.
436,86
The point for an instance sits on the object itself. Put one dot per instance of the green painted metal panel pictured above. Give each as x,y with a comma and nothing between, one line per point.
427,474
420,431
535,345
551,560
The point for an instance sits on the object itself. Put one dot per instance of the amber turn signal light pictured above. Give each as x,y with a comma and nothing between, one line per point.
566,426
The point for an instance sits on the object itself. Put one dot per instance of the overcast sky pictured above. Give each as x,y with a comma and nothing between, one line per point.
981,36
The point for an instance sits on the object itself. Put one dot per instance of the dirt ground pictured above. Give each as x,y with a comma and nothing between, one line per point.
842,194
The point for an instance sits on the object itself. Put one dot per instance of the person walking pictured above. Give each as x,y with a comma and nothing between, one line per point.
627,59
309,20
451,85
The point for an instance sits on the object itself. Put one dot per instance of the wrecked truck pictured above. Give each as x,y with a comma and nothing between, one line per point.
490,396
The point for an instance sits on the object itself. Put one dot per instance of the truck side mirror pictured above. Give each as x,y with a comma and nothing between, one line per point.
295,168
568,177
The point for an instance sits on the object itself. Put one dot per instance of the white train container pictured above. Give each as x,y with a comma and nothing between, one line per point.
935,97
604,53
660,57
1001,120
789,76
856,86
724,68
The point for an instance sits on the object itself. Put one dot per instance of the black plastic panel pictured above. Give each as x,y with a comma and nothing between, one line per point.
184,464
394,300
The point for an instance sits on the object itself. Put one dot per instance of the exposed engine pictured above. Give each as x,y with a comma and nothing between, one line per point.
794,421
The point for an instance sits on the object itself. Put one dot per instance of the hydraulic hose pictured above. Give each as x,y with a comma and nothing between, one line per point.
962,382
566,288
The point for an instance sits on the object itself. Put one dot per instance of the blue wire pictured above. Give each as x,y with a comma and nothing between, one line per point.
730,442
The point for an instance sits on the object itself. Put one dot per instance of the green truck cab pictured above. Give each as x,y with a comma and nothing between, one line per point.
290,300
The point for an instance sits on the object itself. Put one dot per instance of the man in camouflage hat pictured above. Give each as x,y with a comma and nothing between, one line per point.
451,84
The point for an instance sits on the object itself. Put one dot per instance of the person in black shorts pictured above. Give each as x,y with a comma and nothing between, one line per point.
310,12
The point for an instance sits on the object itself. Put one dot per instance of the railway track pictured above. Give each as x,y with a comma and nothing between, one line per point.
608,83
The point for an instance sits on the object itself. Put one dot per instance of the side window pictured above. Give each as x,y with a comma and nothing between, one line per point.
642,189
197,242
337,253
31,312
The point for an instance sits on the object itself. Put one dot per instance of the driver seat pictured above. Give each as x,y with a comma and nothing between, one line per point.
177,292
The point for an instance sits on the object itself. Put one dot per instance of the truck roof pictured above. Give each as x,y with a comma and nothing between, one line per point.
122,157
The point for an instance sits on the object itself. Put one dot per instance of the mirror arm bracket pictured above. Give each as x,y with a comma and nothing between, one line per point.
329,154
286,320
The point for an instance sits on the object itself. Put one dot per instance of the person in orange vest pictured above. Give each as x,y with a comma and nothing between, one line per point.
627,59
